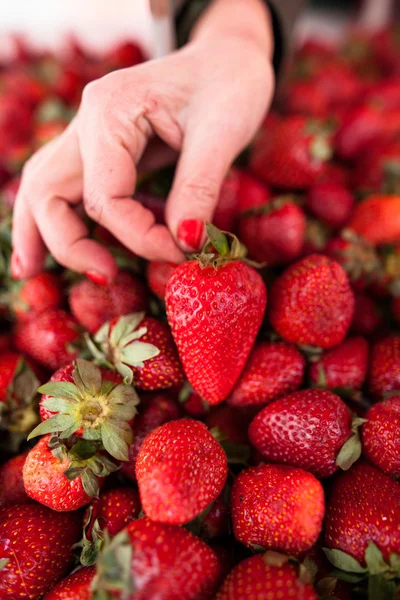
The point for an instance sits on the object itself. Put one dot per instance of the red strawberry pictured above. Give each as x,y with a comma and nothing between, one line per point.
277,507
344,366
193,405
215,308
10,190
385,44
304,97
273,232
93,305
36,295
272,370
293,154
113,510
166,561
252,192
125,54
361,127
385,93
230,423
228,202
157,275
331,203
12,489
363,507
154,410
216,522
377,219
381,443
307,429
36,545
74,587
384,375
129,341
180,470
312,303
367,317
252,577
378,169
52,338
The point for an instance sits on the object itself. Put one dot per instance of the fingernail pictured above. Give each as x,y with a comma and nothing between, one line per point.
16,267
190,234
97,277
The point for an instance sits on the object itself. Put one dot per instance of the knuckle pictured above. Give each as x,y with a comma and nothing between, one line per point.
94,204
202,193
92,94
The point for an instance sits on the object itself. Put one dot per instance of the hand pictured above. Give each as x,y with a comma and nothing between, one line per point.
205,101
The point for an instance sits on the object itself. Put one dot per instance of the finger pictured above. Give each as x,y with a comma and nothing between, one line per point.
28,249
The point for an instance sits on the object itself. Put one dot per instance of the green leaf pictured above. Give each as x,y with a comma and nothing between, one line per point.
87,377
394,560
90,483
343,561
123,413
107,386
123,428
132,336
3,562
92,434
58,405
124,325
237,454
137,352
116,447
326,586
374,560
347,577
57,423
113,568
82,450
60,389
349,453
380,588
73,472
125,371
218,239
101,334
275,559
124,394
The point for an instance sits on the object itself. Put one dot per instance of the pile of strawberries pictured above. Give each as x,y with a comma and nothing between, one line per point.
227,428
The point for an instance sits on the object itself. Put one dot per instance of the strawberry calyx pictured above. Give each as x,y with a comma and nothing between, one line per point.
18,412
351,450
117,345
101,409
236,453
360,257
4,562
391,177
276,559
269,207
90,548
220,248
113,568
346,393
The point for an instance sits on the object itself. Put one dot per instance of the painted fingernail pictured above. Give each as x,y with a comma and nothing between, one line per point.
190,234
16,267
97,277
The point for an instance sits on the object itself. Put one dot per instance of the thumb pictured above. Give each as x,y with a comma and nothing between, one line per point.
207,153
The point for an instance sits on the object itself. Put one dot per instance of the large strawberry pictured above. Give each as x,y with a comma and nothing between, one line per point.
74,587
381,443
272,370
377,219
270,573
215,306
293,154
180,470
277,507
141,349
384,374
35,549
52,338
312,303
93,305
310,429
33,296
12,490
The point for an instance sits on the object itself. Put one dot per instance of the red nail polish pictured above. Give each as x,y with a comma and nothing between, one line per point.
16,268
190,234
97,277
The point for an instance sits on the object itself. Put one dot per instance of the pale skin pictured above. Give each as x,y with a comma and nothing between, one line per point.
205,102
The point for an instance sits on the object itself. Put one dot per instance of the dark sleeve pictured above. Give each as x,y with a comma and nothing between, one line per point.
283,13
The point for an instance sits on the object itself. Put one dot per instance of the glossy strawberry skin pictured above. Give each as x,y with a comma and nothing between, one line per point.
74,587
154,410
381,443
344,366
157,275
377,219
253,574
38,543
45,482
306,430
9,362
361,126
277,507
93,305
312,303
331,203
36,295
215,315
363,507
159,551
114,509
49,338
273,369
180,470
384,375
12,490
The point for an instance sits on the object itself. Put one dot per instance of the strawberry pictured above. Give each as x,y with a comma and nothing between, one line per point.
193,405
149,557
52,338
157,275
344,366
378,169
361,127
35,548
277,507
306,98
363,508
12,489
293,154
377,219
215,306
331,203
180,470
273,369
113,510
228,202
125,54
93,305
127,342
65,477
385,93
273,232
252,192
384,374
216,522
307,429
230,422
34,296
74,587
154,410
367,317
381,444
312,303
270,572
